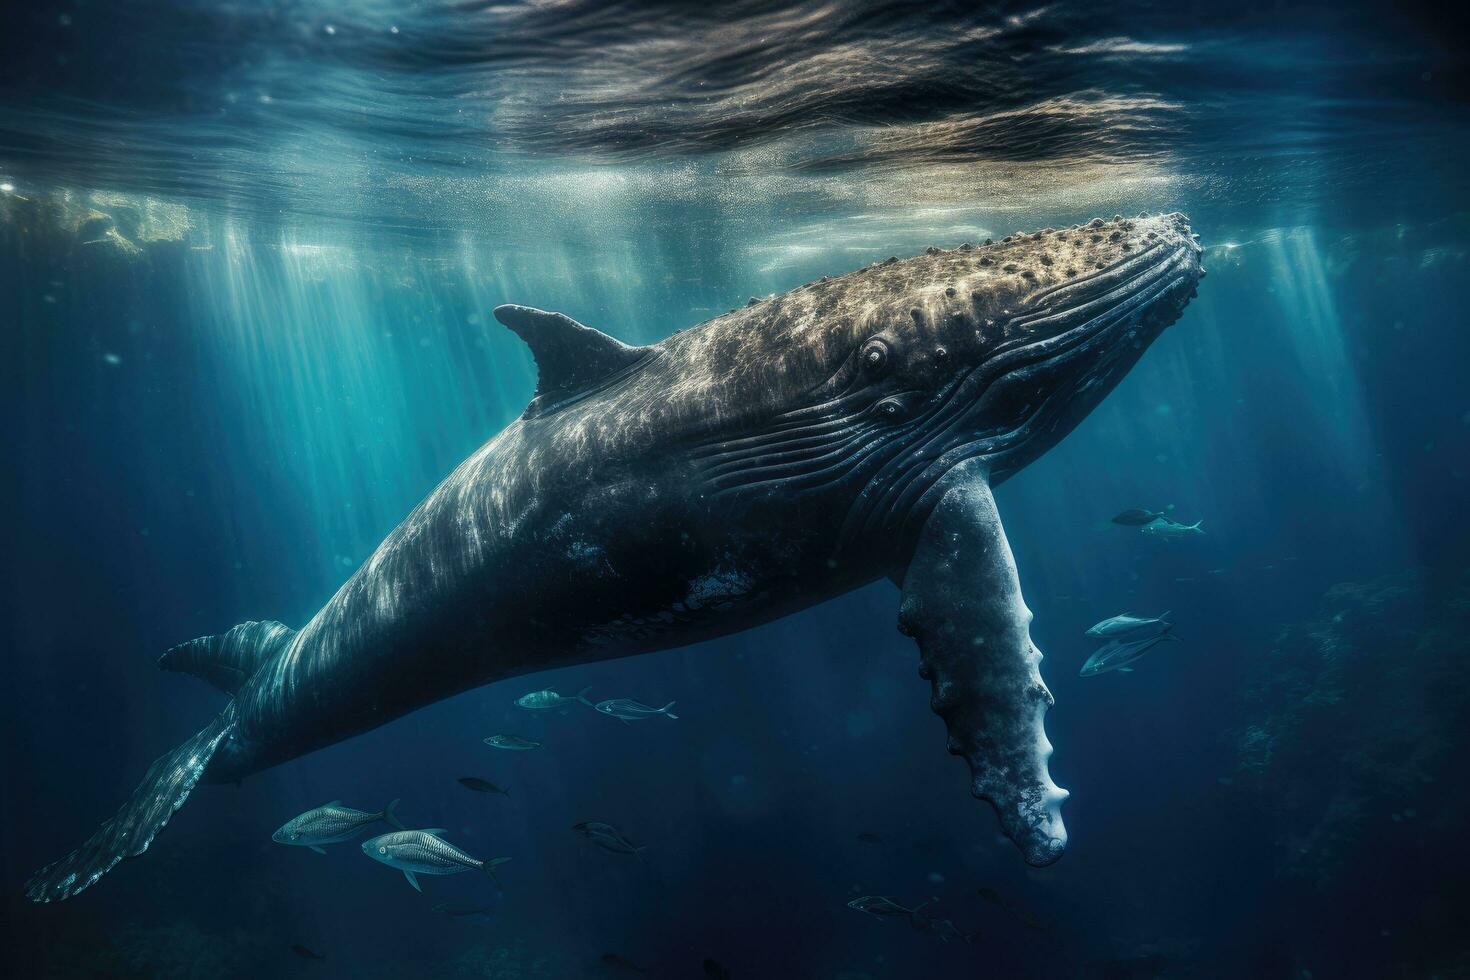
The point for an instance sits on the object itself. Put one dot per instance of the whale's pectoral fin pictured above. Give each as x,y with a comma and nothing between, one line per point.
163,790
962,603
413,880
570,357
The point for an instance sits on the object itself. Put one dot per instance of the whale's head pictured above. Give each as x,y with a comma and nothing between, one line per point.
1005,347
909,367
995,351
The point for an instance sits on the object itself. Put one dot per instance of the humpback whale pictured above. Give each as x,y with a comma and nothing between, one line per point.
735,472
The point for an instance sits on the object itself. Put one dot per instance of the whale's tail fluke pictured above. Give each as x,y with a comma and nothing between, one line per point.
227,661
128,834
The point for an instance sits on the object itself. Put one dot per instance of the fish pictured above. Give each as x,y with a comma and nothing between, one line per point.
541,700
883,907
513,742
621,963
305,953
424,852
1165,528
331,823
880,906
608,837
714,970
1136,518
629,710
481,785
1128,625
462,911
869,838
1118,654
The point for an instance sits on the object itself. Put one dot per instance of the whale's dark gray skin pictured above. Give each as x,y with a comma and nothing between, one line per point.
735,472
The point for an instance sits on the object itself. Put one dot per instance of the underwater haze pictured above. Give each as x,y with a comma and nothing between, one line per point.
248,257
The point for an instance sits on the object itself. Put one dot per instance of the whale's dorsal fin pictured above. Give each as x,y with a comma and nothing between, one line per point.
570,357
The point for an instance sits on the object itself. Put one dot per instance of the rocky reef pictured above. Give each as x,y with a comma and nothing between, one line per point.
1351,747
1357,717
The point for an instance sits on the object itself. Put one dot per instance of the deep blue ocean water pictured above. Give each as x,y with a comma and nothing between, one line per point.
248,253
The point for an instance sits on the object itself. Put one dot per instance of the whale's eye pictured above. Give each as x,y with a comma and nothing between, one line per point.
941,356
382,850
890,409
874,355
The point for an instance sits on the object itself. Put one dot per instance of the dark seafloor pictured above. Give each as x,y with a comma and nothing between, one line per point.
247,256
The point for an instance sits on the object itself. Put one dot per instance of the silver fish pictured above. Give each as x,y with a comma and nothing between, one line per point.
880,906
1118,654
331,823
1128,625
424,852
541,700
1165,528
513,742
607,837
629,710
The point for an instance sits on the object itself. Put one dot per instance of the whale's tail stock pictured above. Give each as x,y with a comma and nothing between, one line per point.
227,661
